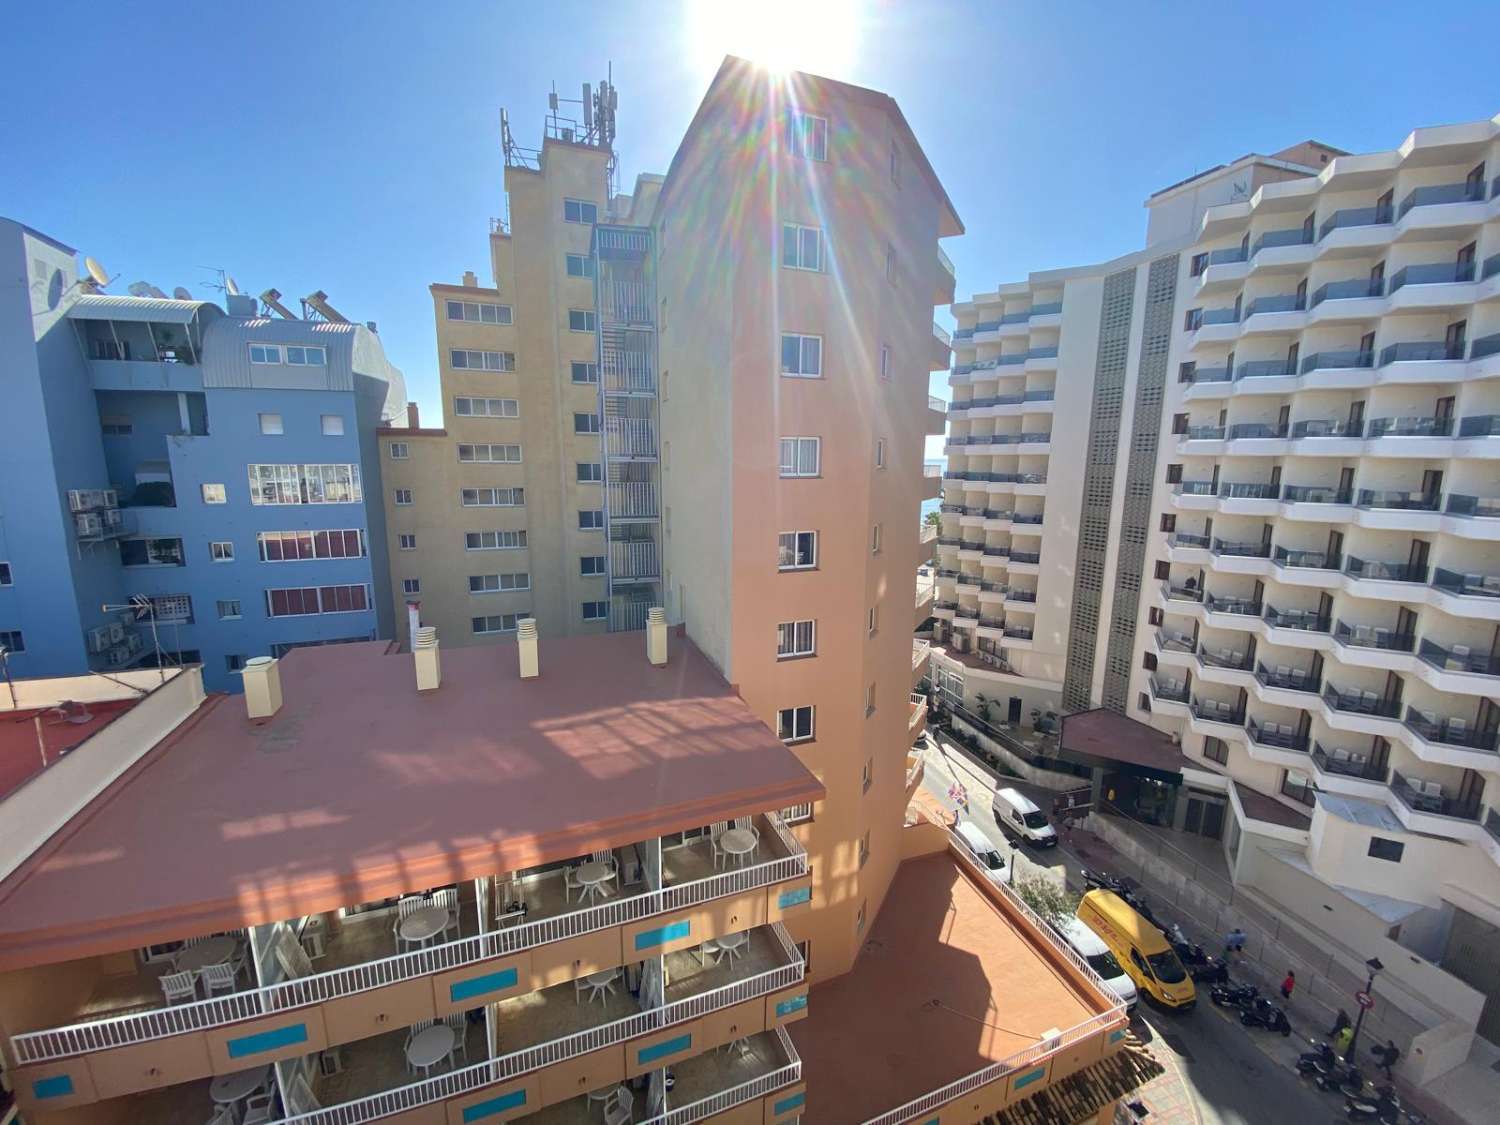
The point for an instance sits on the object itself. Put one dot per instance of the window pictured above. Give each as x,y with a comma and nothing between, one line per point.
400,451
487,407
796,638
795,724
271,424
265,353
495,623
228,610
872,620
585,372
1198,264
595,611
579,265
591,566
116,425
885,361
1148,661
479,313
411,585
801,356
870,700
577,211
880,453
1154,616
1174,474
801,456
875,539
234,662
295,546
303,601
797,814
490,454
407,542
807,135
304,356
11,640
403,497
1163,570
492,497
591,520
304,484
859,920
333,425
1143,701
1216,750
867,775
590,472
582,320
4,574
499,583
494,540
151,552
481,361
587,424
801,247
221,550
864,848
173,608
895,162
1380,848
797,550
1168,522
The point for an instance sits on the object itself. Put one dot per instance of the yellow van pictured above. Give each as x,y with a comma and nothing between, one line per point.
1141,949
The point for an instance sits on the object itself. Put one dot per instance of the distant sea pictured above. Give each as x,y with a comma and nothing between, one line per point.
933,504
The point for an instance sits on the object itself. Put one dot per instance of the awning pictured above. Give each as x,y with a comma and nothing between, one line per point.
1112,740
154,310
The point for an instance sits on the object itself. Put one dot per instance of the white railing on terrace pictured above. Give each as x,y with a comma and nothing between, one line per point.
935,403
625,302
502,1068
635,558
930,1101
704,1108
630,437
626,616
139,1027
632,500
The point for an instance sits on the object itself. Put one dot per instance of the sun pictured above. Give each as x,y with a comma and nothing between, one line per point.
817,36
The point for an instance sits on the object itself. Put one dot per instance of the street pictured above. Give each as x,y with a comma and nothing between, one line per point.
1217,1072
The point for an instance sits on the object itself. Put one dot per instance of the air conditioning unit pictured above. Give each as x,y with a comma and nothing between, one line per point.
78,500
116,632
89,525
99,639
135,643
118,657
114,519
330,1062
109,498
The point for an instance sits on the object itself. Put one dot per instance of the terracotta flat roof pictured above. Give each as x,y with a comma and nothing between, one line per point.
408,431
1258,806
1115,737
27,746
360,788
945,985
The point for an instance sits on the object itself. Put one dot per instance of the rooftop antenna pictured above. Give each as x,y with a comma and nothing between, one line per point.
221,279
144,609
98,277
182,294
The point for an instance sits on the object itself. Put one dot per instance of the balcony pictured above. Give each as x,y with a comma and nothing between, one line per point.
1229,659
1286,678
1484,507
1315,494
1460,658
1281,736
1411,425
1303,560
1326,428
1352,289
1441,193
1174,691
1264,369
1168,641
1209,375
1373,636
1469,585
1346,763
1449,731
1479,425
1248,490
1303,620
945,285
632,500
1296,236
1337,360
1183,539
1487,345
1396,500
1205,433
1354,701
1217,711
1419,352
1236,606
1285,302
1354,217
1243,430
633,561
630,438
1422,796
1438,273
1243,550
1376,571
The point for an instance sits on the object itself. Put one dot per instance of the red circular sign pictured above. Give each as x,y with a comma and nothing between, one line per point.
1365,1000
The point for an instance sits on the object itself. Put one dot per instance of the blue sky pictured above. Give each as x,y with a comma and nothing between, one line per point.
355,147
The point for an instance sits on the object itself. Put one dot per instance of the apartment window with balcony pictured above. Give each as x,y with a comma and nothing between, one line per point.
494,623
499,583
807,135
875,537
1148,661
595,611
265,353
795,724
796,638
494,540
12,640
478,312
880,453
1174,474
304,484
587,424
487,407
801,456
1154,616
1163,570
867,775
490,454
1179,424
591,566
1389,850
582,320
590,472
797,550
870,700
1192,319
801,356
399,451
407,542
591,519
492,497
1216,750
1298,786
1199,264
402,497
297,546
411,585
470,360
585,372
234,662
5,574
221,550
885,361
579,265
270,425
1168,523
579,211
151,552
229,610
801,247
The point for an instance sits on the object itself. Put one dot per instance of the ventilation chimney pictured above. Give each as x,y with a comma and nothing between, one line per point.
413,621
373,327
526,647
413,417
656,635
471,279
424,651
262,675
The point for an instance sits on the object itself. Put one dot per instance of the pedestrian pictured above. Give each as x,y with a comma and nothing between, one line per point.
1287,985
1234,942
1340,1022
1342,1040
1386,1057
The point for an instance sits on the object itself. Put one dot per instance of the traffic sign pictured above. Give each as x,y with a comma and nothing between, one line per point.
1364,1000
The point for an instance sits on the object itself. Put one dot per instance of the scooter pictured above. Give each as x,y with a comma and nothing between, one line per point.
1380,1104
1104,881
1215,970
1320,1060
1228,995
1345,1078
1260,1012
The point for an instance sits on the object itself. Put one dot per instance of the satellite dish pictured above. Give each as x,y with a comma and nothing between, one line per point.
182,294
158,294
96,271
140,288
232,287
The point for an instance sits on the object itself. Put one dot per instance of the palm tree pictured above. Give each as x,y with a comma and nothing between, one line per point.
931,519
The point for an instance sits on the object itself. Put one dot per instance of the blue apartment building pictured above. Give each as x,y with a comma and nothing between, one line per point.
213,467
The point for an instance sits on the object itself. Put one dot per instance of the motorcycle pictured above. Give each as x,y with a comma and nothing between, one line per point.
1320,1060
1104,881
1215,970
1345,1078
1381,1104
1260,1012
1228,995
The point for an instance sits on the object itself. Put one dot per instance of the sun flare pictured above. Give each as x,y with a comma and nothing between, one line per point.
818,36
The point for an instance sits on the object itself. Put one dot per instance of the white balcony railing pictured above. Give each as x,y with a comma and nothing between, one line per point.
159,1023
704,1108
630,437
633,559
632,500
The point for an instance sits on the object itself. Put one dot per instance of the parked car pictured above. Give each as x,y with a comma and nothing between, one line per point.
1018,815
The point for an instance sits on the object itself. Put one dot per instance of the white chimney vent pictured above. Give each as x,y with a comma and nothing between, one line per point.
656,635
262,675
527,648
425,655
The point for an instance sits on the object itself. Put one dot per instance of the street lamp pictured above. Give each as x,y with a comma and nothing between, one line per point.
1366,1002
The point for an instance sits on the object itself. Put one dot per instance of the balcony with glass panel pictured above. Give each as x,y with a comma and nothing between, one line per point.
1446,730
1465,659
1435,273
1351,289
1374,570
1337,360
1349,217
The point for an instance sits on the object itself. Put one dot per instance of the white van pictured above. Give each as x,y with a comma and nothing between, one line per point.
1018,815
1092,949
984,852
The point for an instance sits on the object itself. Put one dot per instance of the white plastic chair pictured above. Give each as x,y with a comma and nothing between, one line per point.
617,1109
217,978
259,1109
571,882
405,908
301,1096
447,898
223,1115
180,988
460,1026
718,829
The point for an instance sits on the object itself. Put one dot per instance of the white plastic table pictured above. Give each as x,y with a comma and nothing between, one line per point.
423,925
214,951
737,842
230,1088
734,945
593,875
430,1047
601,983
